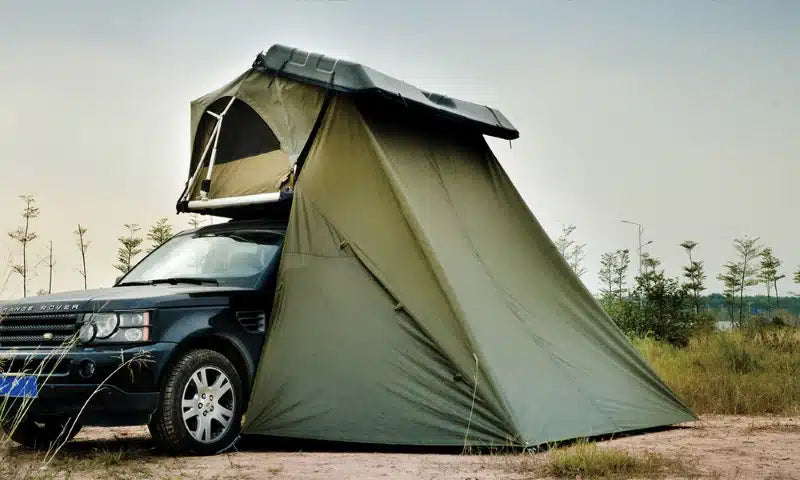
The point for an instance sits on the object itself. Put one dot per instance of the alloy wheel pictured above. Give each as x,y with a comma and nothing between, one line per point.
208,404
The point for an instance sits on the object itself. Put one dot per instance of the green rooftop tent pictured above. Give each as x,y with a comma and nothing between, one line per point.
419,301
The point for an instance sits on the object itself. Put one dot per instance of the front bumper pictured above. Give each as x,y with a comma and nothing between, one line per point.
113,385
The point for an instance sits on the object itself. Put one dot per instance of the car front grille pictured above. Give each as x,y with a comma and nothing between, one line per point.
24,363
33,330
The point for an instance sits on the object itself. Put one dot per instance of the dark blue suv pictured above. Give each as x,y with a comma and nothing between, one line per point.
174,344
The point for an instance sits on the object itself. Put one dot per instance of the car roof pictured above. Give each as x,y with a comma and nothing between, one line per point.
238,225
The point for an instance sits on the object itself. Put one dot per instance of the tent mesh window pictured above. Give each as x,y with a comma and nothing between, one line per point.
244,133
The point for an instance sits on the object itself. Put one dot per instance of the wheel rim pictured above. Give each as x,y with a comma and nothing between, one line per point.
208,404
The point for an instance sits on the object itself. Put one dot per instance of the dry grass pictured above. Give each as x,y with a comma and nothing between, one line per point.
732,372
773,427
17,463
588,460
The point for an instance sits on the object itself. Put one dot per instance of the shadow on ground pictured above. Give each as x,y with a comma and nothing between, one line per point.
140,445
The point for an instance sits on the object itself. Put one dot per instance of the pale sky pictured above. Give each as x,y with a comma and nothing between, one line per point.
681,115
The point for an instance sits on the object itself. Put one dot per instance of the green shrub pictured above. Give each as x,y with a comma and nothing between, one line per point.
658,307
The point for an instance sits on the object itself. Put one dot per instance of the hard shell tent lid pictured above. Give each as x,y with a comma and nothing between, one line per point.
249,137
349,77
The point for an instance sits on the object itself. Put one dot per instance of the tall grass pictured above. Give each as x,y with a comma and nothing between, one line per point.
14,410
42,362
745,372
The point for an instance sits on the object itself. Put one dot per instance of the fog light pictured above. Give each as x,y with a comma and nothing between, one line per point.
86,368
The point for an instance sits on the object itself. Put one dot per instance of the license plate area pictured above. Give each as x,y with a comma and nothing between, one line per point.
18,386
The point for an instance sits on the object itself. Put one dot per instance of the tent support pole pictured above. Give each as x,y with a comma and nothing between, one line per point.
206,185
193,179
213,138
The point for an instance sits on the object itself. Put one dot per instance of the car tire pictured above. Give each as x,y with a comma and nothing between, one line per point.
201,405
42,434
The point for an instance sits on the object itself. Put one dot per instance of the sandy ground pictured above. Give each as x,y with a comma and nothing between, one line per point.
733,447
726,447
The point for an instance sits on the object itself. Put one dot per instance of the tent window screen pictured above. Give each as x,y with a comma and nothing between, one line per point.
243,134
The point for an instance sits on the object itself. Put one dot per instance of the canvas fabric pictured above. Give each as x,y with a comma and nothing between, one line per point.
248,176
288,109
420,302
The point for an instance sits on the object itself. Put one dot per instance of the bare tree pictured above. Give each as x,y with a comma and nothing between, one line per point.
769,273
730,279
695,276
621,271
50,264
613,272
575,259
572,252
607,263
159,234
796,279
130,247
24,236
745,268
83,246
747,249
563,242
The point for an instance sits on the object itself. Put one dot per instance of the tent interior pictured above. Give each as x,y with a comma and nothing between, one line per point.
419,301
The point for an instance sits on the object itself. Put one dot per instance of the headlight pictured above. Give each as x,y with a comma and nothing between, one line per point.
125,327
138,319
105,323
87,333
134,334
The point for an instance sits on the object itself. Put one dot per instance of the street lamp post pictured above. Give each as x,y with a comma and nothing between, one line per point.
639,250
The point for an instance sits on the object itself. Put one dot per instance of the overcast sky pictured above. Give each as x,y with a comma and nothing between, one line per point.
681,115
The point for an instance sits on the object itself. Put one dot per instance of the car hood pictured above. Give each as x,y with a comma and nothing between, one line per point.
124,298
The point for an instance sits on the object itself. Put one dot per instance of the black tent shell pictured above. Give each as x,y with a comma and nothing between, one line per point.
350,77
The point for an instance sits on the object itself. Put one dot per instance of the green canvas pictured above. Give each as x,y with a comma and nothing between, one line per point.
419,301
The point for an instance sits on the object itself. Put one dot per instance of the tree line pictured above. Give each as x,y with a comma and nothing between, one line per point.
755,304
654,294
131,245
672,308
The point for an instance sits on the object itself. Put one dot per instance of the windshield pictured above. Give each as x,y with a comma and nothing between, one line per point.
238,259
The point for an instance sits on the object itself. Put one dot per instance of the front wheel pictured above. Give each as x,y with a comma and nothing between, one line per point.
200,409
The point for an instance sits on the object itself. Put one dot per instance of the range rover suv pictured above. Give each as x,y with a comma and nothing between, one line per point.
174,344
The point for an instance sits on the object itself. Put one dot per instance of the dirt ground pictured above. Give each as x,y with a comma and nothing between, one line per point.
727,447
